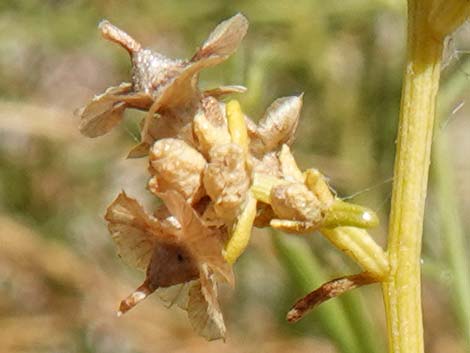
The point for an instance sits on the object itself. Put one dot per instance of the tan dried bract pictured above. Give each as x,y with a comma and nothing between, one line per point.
226,180
210,126
278,125
293,201
327,291
134,231
176,166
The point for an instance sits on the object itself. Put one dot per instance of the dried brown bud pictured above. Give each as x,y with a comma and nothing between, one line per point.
278,124
269,165
293,201
176,166
226,180
159,84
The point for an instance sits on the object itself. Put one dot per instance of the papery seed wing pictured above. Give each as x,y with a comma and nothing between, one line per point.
104,112
176,295
223,40
203,308
138,151
205,244
191,224
280,121
224,90
134,232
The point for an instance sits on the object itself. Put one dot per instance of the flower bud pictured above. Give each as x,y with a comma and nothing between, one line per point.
293,201
226,180
176,166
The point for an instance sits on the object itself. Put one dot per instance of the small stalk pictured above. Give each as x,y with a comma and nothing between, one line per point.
402,289
429,23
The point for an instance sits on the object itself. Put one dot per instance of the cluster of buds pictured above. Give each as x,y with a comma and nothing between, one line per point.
218,174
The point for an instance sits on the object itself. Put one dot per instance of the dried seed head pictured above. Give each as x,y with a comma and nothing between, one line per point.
226,180
151,71
158,83
176,166
293,201
210,126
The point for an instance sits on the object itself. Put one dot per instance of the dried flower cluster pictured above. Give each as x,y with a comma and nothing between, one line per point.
217,173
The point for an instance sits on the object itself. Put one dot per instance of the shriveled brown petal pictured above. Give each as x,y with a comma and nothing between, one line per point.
104,111
223,40
134,231
226,180
278,124
224,90
203,307
327,291
177,166
175,295
293,201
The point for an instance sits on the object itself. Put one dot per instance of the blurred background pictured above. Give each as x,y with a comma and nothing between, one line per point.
60,280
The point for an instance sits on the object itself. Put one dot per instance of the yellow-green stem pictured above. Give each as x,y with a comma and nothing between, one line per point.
402,289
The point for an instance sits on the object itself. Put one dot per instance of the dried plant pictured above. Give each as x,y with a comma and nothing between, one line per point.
218,174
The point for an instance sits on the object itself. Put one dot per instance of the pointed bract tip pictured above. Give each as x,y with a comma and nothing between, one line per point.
116,35
293,316
135,298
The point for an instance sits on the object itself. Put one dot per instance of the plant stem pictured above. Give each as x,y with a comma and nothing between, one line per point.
402,289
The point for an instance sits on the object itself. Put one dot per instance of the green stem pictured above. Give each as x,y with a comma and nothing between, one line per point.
402,289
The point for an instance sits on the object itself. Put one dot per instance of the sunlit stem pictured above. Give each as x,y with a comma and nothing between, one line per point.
343,213
361,247
402,289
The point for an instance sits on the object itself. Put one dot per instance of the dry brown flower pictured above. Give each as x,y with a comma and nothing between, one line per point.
173,252
160,85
